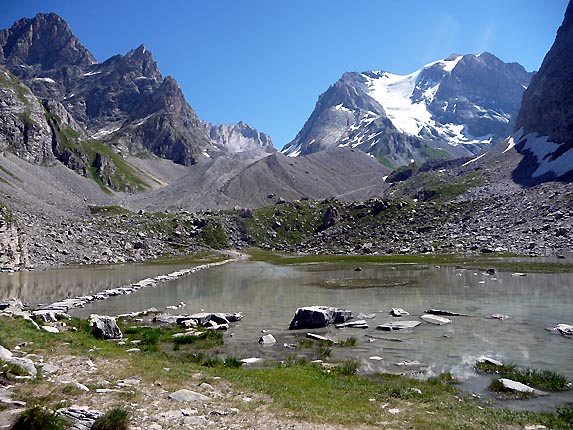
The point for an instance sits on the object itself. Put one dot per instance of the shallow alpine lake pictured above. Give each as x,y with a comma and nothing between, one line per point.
268,295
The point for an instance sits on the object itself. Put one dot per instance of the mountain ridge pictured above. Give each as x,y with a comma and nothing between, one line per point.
447,101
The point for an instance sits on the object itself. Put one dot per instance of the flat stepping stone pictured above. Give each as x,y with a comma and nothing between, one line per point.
398,325
435,319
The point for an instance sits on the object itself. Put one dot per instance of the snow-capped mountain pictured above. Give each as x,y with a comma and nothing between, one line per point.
462,104
544,127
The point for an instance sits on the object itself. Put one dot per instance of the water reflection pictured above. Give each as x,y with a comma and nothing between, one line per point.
268,295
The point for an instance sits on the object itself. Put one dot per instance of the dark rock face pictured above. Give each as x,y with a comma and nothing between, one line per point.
43,43
23,126
488,83
544,127
547,107
457,106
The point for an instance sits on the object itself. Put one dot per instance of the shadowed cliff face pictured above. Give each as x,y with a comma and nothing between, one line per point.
544,126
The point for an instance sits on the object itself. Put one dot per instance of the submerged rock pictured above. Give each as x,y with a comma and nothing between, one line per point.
267,339
488,360
435,319
398,325
563,329
318,316
442,312
353,324
398,312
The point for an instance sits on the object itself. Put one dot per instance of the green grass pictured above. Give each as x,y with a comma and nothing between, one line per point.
109,210
537,378
284,225
386,161
37,418
431,153
213,235
114,419
113,173
204,340
298,390
349,341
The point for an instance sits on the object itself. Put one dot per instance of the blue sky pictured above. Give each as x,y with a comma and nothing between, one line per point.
266,61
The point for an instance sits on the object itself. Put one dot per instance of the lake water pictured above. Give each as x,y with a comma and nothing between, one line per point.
268,296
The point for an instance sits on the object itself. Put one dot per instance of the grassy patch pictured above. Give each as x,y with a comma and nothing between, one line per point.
538,378
202,340
37,418
109,210
114,419
213,235
386,161
299,390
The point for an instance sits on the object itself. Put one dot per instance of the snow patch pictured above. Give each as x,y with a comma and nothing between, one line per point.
50,80
473,160
91,73
543,149
510,144
105,131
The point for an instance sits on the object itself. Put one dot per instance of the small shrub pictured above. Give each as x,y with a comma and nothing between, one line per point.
323,350
348,367
305,343
204,340
486,367
232,363
114,419
37,418
212,362
349,341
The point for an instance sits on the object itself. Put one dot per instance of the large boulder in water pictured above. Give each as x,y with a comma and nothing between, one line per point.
318,316
104,327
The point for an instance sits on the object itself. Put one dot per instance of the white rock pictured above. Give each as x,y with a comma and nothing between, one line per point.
267,339
435,319
398,325
50,329
185,395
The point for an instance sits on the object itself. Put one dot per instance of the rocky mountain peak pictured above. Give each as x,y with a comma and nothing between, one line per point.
457,106
240,138
44,42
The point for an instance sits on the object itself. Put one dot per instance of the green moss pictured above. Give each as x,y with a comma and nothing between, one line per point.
27,119
6,171
108,210
8,80
402,173
386,161
431,153
213,235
